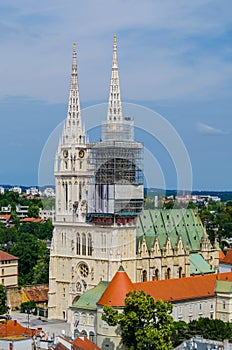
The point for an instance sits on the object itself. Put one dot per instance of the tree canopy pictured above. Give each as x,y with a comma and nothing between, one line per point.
144,322
3,299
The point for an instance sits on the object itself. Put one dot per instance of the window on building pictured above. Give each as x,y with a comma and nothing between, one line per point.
223,304
2,271
83,318
168,273
91,319
92,336
157,274
90,245
144,276
180,272
83,244
78,244
84,332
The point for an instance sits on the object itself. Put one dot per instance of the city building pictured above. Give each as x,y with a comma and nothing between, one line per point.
191,297
5,219
8,269
16,189
99,221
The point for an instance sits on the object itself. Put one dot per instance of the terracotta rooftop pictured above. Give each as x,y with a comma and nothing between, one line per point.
193,287
83,343
6,256
221,255
116,291
32,220
5,216
80,343
38,295
228,258
13,328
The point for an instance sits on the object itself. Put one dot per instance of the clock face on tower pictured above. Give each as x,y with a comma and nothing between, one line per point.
65,153
81,153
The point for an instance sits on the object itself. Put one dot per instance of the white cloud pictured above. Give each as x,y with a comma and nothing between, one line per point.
160,51
210,130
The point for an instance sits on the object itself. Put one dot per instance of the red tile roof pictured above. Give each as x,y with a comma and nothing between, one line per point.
5,216
80,343
38,295
116,291
228,258
13,328
83,343
31,220
193,287
6,256
221,255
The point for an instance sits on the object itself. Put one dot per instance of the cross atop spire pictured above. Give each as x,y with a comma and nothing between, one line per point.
114,105
73,132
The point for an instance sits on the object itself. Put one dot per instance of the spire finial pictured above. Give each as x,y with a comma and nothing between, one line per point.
73,129
114,105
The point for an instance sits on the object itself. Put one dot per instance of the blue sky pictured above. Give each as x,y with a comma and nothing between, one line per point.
175,57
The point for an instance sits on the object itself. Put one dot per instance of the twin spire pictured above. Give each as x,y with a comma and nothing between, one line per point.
73,132
114,105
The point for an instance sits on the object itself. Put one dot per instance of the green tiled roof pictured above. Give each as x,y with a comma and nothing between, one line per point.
198,265
89,299
223,287
162,223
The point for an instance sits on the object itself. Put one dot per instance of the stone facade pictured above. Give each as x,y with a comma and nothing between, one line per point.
99,224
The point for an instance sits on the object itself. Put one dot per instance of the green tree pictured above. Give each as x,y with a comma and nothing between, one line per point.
41,269
144,322
33,211
29,250
180,332
3,299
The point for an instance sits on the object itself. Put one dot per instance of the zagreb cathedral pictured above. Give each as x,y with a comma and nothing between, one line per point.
100,223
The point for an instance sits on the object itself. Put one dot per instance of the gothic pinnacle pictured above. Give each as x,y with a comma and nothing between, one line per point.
114,105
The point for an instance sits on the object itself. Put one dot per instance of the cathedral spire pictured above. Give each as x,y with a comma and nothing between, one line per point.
73,132
114,105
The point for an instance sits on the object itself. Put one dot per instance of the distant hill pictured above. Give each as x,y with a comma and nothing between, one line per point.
224,195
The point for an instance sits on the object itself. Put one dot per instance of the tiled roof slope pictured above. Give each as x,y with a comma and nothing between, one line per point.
116,291
89,299
38,295
6,256
173,223
221,255
13,328
228,258
83,343
198,265
183,288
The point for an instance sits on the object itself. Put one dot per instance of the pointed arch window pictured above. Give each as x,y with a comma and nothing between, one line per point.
180,272
90,245
157,274
83,244
78,244
144,276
